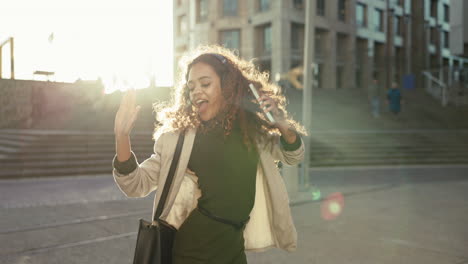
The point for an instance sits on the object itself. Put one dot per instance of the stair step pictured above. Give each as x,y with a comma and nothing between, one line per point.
55,172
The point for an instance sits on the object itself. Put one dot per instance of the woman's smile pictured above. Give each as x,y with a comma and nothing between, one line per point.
205,91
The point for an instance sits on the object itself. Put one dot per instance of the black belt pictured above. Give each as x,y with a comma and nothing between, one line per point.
238,225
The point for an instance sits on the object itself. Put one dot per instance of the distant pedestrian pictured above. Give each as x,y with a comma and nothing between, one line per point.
373,94
394,99
227,173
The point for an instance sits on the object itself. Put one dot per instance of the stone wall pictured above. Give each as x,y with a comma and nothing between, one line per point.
69,106
23,102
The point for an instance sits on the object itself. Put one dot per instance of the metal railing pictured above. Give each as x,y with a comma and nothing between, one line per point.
449,85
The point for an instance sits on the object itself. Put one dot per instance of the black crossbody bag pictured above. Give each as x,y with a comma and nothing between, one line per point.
155,239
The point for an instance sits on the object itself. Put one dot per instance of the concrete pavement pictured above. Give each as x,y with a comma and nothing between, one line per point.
389,215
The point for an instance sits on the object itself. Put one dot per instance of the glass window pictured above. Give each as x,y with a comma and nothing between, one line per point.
446,40
397,25
230,39
297,38
267,39
361,15
202,10
378,20
342,10
446,13
320,38
299,4
229,7
434,8
263,5
321,7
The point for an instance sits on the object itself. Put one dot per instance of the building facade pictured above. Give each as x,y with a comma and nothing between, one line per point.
354,39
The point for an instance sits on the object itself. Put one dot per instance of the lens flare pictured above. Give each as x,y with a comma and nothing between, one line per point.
332,206
316,194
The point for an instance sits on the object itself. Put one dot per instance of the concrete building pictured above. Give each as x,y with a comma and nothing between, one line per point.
353,38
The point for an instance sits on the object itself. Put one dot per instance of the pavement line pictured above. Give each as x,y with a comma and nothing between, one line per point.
68,245
393,167
72,222
412,244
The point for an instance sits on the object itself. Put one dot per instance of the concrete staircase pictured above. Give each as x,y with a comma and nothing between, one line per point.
57,153
41,153
350,148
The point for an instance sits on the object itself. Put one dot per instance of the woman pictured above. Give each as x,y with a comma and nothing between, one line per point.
227,195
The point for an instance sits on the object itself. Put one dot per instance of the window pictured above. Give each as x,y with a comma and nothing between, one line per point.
341,44
320,38
230,39
446,40
263,5
299,4
361,15
229,7
321,7
297,38
446,13
397,26
182,25
434,8
342,10
263,40
202,10
378,20
267,39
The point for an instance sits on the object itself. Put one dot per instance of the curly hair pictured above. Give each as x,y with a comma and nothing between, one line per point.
235,76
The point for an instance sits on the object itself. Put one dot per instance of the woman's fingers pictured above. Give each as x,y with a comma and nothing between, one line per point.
135,116
127,113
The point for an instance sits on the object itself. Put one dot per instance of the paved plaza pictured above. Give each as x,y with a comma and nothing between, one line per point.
388,215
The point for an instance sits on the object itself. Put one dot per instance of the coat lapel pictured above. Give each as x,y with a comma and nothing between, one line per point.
181,168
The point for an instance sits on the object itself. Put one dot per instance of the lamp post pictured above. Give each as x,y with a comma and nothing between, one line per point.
389,44
12,57
307,93
407,19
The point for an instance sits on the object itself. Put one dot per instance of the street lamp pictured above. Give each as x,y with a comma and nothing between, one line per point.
12,57
389,44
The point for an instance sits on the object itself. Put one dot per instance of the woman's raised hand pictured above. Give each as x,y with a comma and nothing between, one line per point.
126,115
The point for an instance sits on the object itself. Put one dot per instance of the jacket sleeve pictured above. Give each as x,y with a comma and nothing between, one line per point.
144,178
290,154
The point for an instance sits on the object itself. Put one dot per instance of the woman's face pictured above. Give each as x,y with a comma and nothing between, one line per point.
205,90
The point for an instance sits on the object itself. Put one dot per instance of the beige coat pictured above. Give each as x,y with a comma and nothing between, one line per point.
270,224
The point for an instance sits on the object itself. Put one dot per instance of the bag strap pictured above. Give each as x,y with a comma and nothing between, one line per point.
170,176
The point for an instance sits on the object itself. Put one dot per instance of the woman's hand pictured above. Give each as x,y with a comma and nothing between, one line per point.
124,122
126,115
268,104
287,131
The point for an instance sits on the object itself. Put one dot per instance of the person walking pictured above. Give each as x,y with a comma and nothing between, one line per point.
227,195
394,99
374,96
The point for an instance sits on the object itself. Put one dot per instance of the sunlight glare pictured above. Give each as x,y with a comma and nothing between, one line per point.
124,43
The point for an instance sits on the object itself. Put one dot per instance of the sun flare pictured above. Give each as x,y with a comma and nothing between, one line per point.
123,43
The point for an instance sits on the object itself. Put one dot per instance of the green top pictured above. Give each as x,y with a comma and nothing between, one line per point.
226,172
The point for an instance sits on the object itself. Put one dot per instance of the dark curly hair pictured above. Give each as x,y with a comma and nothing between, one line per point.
235,75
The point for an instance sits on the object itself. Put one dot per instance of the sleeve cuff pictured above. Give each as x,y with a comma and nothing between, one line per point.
293,146
127,166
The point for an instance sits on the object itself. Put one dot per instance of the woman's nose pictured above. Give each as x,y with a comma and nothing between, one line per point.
196,89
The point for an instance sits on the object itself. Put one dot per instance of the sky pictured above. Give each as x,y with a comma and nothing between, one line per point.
123,42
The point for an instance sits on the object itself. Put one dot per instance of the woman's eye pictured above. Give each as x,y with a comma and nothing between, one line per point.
206,84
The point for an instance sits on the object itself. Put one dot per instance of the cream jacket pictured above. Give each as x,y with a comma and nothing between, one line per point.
270,224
